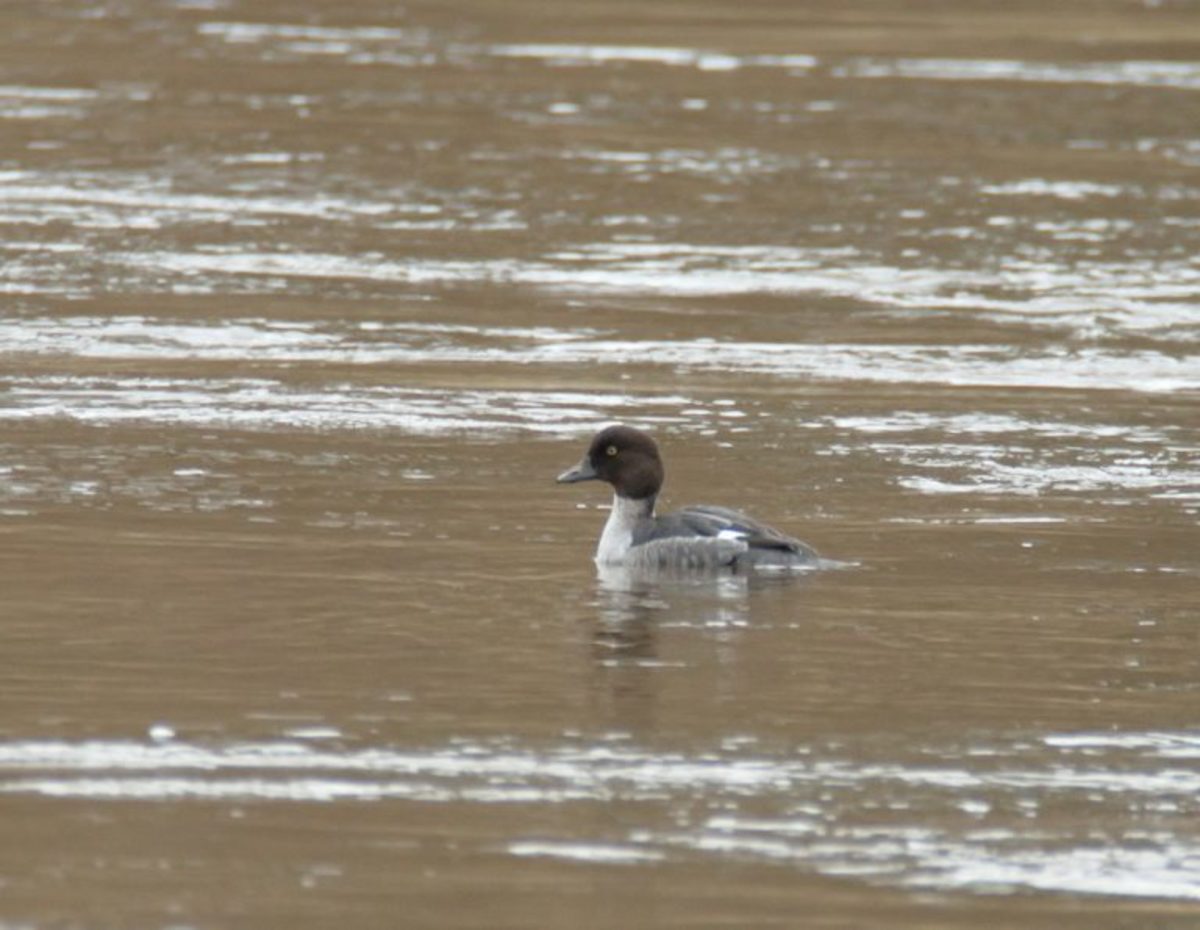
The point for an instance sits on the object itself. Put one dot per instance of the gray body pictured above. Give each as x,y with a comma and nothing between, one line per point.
700,537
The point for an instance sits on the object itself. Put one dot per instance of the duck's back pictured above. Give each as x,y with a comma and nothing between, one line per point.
708,535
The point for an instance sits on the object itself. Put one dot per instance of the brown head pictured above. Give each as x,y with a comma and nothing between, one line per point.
624,457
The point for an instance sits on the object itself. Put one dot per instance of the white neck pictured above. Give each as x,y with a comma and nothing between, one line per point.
624,517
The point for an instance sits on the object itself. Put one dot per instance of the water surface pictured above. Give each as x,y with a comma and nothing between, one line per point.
304,308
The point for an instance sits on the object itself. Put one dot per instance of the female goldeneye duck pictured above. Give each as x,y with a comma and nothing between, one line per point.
694,537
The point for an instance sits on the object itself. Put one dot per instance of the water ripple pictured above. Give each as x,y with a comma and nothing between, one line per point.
1180,75
249,403
1088,367
1000,821
1139,296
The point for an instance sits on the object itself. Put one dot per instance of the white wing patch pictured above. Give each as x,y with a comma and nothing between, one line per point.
732,534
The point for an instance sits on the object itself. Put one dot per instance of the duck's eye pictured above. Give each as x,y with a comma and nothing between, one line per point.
610,451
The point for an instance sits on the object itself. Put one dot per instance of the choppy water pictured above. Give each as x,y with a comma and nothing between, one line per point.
304,308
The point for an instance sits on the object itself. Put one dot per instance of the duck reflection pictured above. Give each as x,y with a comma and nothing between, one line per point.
635,607
632,597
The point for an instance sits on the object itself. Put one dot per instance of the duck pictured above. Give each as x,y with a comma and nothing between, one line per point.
702,537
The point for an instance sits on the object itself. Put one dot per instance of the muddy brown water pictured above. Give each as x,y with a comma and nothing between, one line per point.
304,305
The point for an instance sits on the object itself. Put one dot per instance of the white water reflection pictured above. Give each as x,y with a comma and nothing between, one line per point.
137,201
261,339
245,340
44,103
984,475
1136,295
1181,75
602,853
1008,455
412,47
258,32
1063,190
703,60
248,403
987,818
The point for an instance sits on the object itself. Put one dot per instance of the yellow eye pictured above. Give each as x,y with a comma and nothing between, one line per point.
611,450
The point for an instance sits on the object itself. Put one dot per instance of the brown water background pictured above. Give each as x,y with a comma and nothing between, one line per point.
305,304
